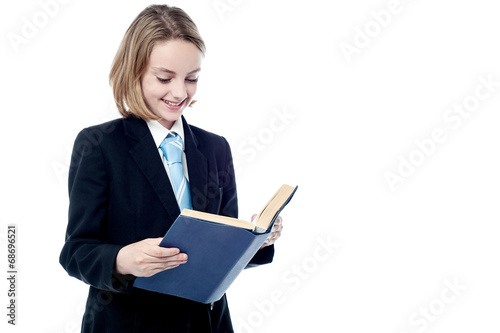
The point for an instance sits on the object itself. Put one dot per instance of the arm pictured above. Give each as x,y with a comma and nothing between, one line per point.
88,253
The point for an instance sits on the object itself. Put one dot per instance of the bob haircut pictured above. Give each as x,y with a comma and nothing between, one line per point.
156,23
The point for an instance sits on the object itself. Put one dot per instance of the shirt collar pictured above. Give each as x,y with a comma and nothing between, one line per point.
159,132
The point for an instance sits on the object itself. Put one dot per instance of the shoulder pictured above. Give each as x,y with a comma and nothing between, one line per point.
115,126
208,143
204,137
97,132
112,130
108,138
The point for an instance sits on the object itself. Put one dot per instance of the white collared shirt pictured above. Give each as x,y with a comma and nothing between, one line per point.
159,133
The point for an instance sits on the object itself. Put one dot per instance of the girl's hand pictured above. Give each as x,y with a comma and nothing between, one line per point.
275,231
146,258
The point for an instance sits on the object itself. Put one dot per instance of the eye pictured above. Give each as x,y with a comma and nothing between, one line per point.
192,80
163,80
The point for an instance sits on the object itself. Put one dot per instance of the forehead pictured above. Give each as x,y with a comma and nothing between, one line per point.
175,55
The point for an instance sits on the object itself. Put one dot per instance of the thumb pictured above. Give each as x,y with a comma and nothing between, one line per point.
154,241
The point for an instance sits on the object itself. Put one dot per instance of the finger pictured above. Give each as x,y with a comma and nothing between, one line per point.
172,263
161,252
160,268
274,236
179,258
277,228
170,252
161,264
277,223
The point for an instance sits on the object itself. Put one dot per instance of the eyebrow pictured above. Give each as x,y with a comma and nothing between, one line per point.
163,69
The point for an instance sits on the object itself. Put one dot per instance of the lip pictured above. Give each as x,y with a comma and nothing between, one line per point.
174,107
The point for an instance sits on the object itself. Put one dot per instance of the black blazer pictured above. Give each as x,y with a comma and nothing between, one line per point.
120,194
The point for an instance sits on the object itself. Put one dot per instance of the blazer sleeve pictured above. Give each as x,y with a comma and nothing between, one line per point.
229,207
87,254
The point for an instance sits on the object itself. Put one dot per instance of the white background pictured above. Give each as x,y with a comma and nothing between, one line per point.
349,121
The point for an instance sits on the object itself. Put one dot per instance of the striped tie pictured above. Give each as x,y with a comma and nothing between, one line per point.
172,150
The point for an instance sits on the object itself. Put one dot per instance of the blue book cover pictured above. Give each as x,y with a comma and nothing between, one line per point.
217,253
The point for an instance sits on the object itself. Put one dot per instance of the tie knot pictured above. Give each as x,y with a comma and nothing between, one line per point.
172,148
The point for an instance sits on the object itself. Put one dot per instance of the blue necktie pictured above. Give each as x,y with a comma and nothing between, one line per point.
172,150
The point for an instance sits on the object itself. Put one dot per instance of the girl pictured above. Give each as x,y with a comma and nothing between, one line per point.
123,191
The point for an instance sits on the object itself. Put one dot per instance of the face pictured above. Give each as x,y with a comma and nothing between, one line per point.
170,79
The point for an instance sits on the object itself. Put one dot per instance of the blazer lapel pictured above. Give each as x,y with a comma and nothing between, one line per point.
197,169
142,150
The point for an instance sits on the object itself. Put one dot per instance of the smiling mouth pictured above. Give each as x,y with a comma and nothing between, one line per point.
171,103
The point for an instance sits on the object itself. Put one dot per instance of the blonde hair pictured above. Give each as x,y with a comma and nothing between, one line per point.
154,24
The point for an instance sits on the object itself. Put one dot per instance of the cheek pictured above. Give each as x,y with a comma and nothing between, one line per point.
191,89
151,88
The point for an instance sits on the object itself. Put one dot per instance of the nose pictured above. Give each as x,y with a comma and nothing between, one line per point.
178,90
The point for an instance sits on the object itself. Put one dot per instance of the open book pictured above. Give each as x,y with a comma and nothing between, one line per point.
264,219
218,249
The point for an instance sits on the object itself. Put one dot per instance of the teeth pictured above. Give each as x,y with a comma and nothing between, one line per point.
170,103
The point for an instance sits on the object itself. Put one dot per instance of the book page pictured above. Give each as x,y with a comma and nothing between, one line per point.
218,218
272,208
263,219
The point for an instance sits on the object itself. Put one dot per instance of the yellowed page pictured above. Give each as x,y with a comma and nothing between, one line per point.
218,218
